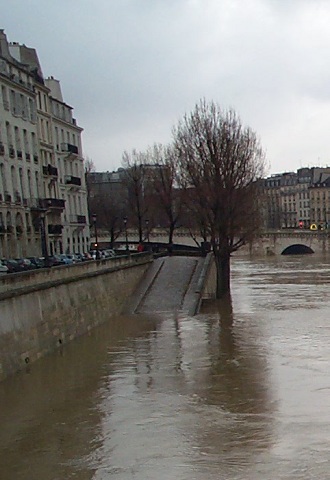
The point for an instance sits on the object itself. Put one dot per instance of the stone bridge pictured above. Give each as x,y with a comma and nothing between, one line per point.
282,242
268,243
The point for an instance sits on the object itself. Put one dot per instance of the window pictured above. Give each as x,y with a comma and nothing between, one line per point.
13,102
17,139
21,183
32,109
29,184
9,134
3,181
45,103
4,97
34,143
57,139
26,141
13,179
37,183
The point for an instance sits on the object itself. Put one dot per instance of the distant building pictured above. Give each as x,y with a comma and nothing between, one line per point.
43,200
108,185
319,194
298,199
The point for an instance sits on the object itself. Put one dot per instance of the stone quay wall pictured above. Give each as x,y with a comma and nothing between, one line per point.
207,282
43,310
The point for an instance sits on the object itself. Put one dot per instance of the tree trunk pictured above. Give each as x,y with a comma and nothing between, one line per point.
222,262
171,233
140,230
112,237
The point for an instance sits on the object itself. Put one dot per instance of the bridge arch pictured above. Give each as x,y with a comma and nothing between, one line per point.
297,249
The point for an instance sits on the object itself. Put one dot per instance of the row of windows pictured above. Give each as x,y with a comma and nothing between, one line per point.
22,140
27,185
18,138
23,183
303,195
20,105
61,136
318,197
24,107
57,109
16,75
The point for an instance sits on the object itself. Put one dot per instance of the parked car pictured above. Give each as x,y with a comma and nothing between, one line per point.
67,259
109,253
74,257
25,263
54,261
93,254
13,266
3,268
38,262
86,257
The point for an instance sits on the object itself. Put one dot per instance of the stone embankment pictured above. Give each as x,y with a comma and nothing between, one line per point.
42,310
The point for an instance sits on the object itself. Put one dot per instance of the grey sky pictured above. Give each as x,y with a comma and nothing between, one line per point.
132,68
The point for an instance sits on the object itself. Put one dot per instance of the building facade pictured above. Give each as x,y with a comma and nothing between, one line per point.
298,199
43,199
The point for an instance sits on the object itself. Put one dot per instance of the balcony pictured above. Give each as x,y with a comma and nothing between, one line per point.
70,180
52,203
55,229
68,147
10,229
81,219
49,170
46,204
7,197
19,154
11,152
27,156
18,198
19,229
34,203
2,229
35,158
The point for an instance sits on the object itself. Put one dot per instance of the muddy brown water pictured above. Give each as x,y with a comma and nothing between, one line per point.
241,391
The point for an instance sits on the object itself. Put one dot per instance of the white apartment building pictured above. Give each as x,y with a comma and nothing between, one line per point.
43,199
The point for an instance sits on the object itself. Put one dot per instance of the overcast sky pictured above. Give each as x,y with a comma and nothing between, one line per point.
132,68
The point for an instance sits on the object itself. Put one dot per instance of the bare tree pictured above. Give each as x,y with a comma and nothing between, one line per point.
89,167
164,186
135,182
109,212
220,163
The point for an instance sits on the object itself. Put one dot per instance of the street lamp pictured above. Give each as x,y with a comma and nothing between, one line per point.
126,238
147,228
94,217
44,247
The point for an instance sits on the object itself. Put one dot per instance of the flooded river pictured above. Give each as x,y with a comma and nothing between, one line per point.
241,391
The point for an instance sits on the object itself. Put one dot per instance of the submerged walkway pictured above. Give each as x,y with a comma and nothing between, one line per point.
171,284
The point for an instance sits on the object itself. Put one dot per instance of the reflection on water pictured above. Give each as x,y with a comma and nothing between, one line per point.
241,391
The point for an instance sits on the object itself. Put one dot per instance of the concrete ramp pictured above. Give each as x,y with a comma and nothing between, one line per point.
170,284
